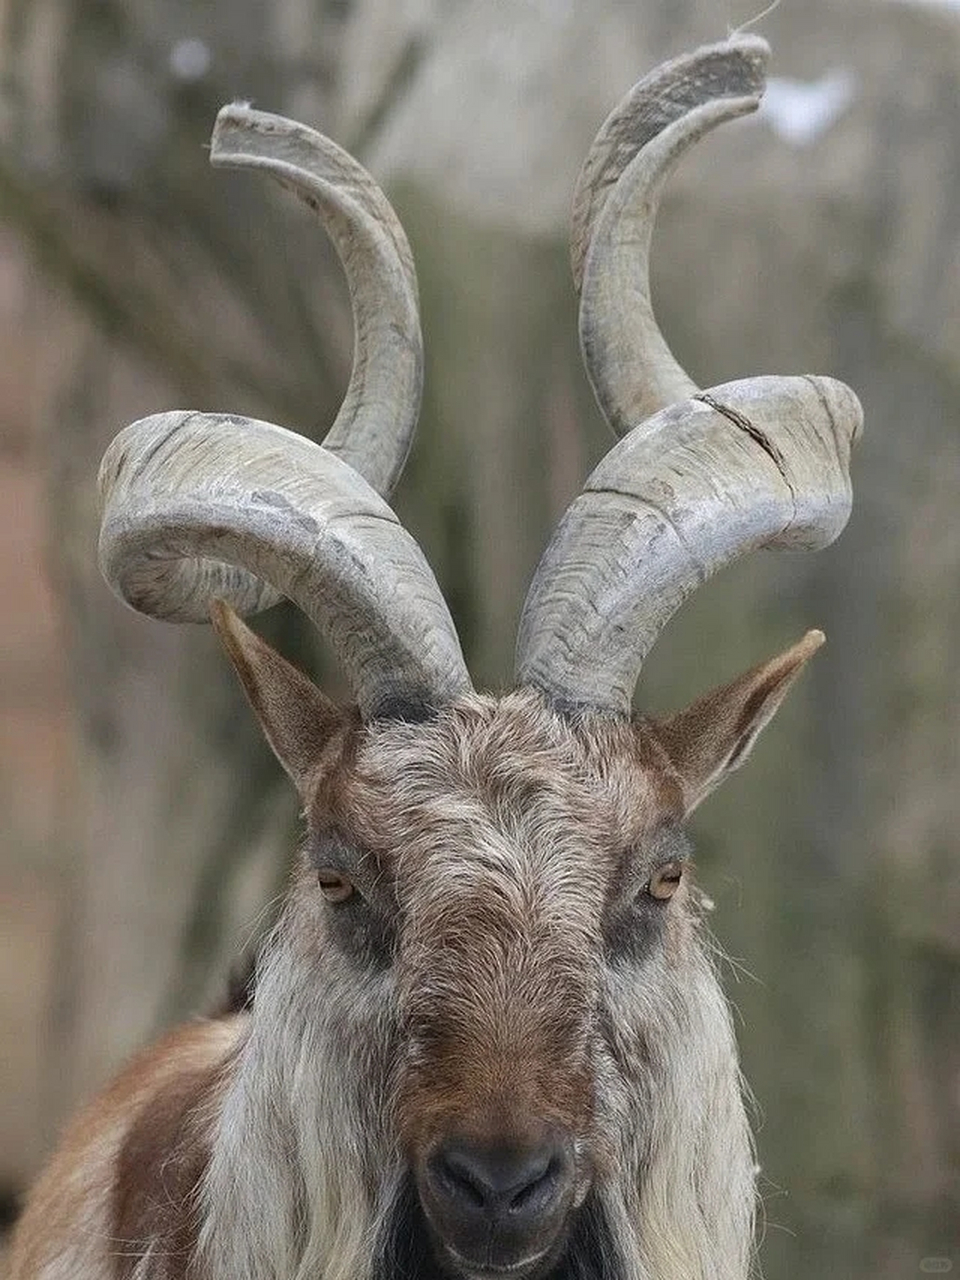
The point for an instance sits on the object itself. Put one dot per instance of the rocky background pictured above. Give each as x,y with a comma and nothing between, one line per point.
144,823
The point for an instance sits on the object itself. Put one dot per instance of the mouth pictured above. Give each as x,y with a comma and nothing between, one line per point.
488,1271
410,1247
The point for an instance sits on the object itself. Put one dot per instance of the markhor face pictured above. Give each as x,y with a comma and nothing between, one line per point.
499,867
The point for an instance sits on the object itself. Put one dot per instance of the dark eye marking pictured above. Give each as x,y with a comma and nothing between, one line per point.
640,905
359,918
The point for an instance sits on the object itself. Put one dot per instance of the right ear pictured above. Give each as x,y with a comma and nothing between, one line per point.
296,718
714,736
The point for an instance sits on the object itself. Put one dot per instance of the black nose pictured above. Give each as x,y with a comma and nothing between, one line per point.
519,1185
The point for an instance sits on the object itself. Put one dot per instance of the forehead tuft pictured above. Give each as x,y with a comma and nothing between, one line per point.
488,770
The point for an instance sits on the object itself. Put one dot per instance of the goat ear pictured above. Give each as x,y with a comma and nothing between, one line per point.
713,736
296,718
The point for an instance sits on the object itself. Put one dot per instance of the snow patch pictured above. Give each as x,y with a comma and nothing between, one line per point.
800,111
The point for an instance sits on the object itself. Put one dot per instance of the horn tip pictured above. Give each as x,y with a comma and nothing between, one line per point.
240,112
812,641
747,43
842,404
743,59
235,122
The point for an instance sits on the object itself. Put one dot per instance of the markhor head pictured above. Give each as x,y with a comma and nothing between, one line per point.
487,1038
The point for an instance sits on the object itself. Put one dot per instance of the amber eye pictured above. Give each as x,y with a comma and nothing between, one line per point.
334,885
665,881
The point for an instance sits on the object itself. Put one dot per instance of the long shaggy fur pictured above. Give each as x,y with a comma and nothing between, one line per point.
501,829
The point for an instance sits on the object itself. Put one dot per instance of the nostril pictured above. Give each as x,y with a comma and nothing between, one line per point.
459,1181
538,1188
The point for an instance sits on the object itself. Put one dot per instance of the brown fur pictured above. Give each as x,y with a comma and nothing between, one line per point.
79,1210
160,1168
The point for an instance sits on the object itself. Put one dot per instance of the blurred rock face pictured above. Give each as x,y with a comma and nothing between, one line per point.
821,235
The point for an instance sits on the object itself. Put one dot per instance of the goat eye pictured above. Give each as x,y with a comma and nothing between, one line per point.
334,886
665,881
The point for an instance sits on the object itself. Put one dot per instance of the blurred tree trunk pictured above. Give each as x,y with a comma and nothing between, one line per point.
834,860
186,288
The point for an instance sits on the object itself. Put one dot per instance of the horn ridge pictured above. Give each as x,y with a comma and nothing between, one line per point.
697,479
733,68
374,427
194,510
197,507
630,365
762,463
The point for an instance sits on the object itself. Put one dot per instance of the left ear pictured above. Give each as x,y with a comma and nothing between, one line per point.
713,736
